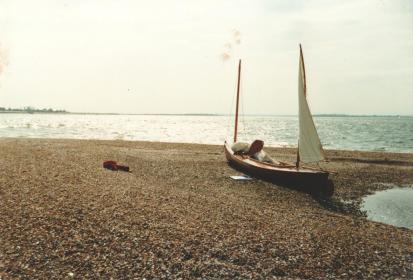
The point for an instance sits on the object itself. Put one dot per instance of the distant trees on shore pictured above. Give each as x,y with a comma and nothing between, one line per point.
31,110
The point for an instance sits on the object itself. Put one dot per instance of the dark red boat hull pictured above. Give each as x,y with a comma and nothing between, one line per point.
304,179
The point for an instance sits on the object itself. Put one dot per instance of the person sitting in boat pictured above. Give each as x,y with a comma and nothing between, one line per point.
254,150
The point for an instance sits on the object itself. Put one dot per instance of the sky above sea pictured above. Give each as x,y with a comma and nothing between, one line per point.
181,56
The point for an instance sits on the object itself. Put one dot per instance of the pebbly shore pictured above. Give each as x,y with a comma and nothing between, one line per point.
177,214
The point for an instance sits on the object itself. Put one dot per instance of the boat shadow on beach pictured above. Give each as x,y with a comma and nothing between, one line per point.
336,205
321,192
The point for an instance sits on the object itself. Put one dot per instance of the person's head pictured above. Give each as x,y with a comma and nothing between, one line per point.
256,146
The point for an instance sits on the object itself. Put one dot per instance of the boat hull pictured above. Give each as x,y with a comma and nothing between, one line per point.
304,179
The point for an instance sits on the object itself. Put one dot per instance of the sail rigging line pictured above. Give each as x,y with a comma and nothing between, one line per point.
242,109
230,114
243,126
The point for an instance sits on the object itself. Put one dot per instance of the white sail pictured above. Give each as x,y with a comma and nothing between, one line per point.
309,145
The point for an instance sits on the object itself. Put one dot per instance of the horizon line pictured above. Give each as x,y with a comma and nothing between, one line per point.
211,114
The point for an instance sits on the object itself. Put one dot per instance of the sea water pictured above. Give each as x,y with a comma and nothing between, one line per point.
372,133
393,206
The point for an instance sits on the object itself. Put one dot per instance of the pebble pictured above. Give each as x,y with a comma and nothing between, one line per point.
177,215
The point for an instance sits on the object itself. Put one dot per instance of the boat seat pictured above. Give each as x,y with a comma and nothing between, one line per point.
255,147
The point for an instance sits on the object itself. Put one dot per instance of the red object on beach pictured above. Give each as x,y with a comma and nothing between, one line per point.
123,168
110,164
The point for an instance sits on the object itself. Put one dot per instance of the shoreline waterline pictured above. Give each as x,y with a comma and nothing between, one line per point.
289,149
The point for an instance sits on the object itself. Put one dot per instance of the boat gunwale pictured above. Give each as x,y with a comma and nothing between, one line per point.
250,162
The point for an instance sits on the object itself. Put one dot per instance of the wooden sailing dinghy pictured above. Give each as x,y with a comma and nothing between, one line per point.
309,150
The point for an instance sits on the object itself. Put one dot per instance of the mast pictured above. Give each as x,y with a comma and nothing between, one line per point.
236,108
302,65
309,146
297,164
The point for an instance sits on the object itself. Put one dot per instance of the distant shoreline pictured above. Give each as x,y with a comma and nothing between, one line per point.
197,114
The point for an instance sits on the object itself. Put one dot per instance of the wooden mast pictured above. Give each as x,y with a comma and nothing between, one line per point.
304,79
297,164
236,108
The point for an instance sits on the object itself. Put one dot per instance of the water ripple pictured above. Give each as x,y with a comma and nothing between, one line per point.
349,133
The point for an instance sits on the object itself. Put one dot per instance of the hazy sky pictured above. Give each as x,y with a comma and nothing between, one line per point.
180,56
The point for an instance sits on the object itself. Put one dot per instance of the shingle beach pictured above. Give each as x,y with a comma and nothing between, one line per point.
177,214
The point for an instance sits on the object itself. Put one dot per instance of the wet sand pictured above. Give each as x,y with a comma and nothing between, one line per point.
179,215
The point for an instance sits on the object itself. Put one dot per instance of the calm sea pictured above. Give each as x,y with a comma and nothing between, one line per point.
392,134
